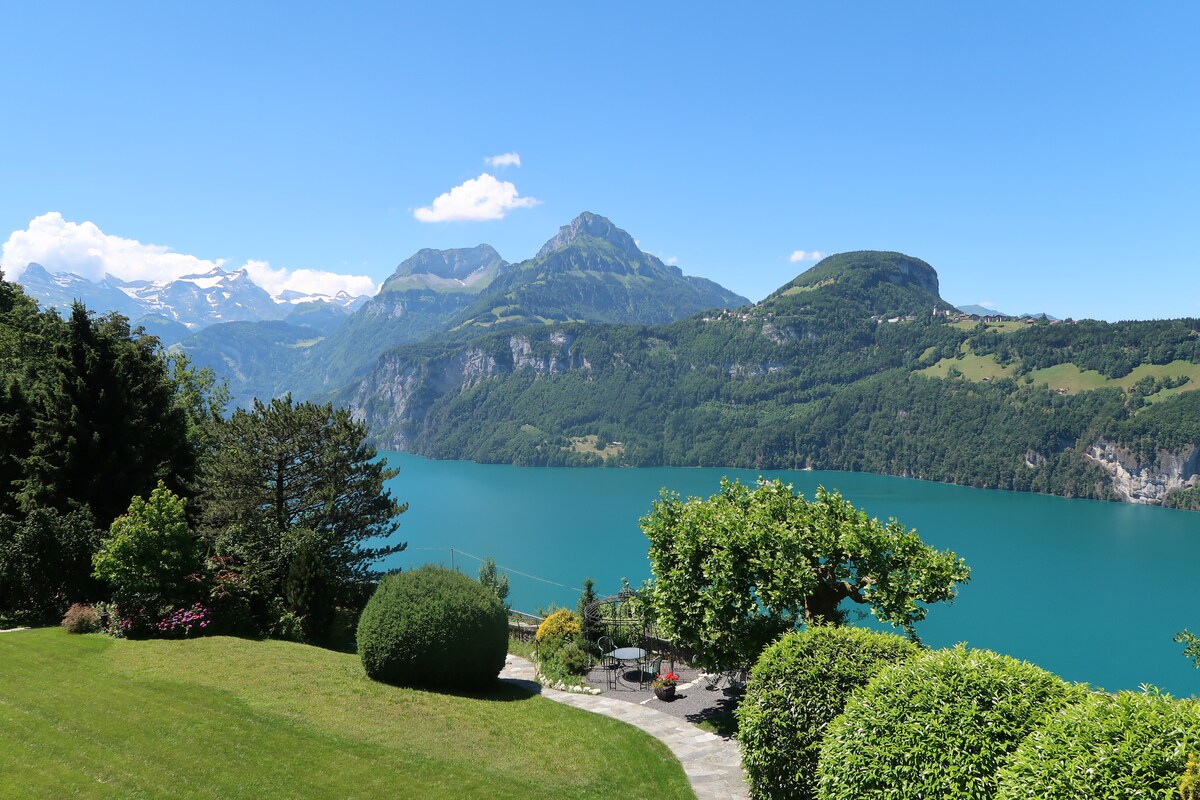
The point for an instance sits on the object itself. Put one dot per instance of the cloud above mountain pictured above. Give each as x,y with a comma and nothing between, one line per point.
475,200
805,255
504,160
83,248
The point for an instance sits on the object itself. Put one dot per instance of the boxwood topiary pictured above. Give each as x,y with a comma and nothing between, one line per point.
938,725
433,627
1126,745
799,685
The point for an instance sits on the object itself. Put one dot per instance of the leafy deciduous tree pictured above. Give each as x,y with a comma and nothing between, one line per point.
148,553
733,572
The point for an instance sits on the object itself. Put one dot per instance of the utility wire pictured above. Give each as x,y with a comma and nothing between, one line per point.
500,566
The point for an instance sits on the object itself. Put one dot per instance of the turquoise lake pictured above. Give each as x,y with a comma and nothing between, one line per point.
1091,591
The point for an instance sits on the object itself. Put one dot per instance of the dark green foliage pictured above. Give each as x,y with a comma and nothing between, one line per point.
46,562
433,627
1186,499
799,685
310,591
106,426
1125,745
285,472
586,597
938,725
562,660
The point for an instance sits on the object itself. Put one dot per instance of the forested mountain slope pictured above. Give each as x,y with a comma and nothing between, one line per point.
857,364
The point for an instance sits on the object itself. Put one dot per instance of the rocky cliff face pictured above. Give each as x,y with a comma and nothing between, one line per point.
395,397
1150,482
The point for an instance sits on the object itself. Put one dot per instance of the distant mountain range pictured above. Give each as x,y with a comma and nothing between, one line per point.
595,352
590,271
984,311
173,309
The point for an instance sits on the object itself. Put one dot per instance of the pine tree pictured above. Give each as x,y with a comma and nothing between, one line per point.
285,471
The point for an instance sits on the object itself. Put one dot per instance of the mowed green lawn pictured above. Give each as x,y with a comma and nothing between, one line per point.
90,716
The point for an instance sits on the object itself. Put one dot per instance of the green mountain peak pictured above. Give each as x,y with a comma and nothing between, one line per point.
463,269
593,226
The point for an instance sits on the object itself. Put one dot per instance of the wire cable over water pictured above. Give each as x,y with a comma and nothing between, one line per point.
453,550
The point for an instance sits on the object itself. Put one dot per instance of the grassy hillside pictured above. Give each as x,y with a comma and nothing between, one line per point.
89,716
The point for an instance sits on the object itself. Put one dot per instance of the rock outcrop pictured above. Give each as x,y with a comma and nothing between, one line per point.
395,397
1146,482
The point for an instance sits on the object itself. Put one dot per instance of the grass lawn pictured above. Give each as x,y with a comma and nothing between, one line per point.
1073,379
973,368
89,716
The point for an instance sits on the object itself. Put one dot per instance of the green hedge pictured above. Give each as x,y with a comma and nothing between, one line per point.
433,627
1128,745
799,685
937,726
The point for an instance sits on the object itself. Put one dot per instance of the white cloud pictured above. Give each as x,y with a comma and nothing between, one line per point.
480,198
87,251
310,281
504,160
805,255
671,261
84,249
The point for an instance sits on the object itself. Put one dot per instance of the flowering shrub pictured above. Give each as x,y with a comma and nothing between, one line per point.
664,679
182,621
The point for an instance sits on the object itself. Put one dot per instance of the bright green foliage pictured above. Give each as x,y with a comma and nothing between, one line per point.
148,553
46,562
939,725
433,627
733,572
1191,645
799,685
285,472
562,624
497,582
1128,745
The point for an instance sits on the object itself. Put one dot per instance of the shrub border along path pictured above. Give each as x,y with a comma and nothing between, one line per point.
713,765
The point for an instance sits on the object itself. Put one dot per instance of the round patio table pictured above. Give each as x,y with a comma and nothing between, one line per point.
629,654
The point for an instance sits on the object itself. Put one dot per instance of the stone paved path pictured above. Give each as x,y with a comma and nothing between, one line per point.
712,764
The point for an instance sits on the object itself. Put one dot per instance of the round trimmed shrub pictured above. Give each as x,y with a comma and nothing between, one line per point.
938,725
433,627
1126,745
799,685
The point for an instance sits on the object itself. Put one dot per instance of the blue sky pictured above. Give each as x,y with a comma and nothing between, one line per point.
1041,156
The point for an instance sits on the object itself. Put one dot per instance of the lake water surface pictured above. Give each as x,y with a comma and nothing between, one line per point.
1091,591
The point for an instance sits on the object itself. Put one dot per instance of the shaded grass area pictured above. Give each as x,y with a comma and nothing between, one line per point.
89,716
